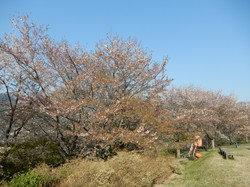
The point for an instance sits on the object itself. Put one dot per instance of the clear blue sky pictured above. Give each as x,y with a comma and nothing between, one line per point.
207,41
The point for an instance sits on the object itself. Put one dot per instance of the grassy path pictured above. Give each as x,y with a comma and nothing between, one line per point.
213,170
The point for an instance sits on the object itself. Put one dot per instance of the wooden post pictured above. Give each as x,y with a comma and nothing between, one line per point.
213,144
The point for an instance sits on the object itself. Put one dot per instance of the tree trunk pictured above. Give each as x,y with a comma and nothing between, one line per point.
178,153
246,138
7,133
231,140
213,146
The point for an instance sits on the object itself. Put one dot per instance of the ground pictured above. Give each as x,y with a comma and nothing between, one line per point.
146,169
213,170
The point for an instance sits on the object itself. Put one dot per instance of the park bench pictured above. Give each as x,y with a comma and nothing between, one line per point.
225,153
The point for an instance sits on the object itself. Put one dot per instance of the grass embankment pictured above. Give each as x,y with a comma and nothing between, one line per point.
125,169
133,169
213,170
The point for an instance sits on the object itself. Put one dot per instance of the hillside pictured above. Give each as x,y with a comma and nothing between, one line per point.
125,169
145,169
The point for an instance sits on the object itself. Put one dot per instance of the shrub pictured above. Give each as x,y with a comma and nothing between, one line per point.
30,179
40,176
25,156
125,169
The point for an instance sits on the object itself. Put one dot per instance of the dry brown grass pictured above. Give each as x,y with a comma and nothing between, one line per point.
125,169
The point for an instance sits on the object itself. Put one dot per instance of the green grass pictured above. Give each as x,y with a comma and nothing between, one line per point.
213,170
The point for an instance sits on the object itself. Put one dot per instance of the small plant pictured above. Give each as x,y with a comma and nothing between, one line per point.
40,176
30,179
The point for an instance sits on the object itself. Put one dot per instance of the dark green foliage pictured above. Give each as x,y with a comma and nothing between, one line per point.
93,149
179,137
22,157
222,141
53,157
34,179
172,150
241,139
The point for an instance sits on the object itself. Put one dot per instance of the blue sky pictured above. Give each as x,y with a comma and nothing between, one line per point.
207,41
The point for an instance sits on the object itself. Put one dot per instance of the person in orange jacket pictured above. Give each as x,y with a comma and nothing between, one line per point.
194,146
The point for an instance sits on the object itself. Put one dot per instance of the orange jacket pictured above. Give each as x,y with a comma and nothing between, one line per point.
198,142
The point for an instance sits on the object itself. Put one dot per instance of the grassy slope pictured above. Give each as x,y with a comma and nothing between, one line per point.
213,170
125,169
131,169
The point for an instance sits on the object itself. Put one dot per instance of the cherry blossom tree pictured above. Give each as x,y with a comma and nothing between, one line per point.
197,111
68,89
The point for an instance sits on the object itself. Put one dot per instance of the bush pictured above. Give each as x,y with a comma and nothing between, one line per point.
126,169
40,176
25,156
30,179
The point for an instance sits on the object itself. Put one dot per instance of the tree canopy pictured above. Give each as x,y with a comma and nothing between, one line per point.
116,91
